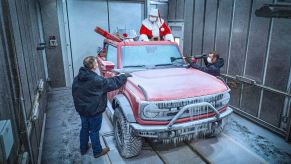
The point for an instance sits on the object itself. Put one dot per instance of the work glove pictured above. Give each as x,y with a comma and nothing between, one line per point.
188,66
194,60
126,74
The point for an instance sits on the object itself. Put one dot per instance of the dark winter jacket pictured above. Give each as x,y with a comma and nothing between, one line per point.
211,68
89,91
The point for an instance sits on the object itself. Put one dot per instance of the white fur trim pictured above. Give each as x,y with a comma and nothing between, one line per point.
143,37
169,37
149,25
156,32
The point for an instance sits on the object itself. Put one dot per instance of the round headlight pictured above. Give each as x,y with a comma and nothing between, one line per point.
150,111
225,99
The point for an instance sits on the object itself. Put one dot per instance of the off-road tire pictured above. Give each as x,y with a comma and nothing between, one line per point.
128,144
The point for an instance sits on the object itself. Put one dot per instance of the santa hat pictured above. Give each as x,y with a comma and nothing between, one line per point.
154,12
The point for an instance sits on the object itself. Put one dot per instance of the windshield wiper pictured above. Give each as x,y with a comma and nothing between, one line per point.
128,66
163,64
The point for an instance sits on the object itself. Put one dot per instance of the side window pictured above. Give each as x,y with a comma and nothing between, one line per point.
111,54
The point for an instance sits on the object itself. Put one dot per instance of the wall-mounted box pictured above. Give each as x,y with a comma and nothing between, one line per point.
6,139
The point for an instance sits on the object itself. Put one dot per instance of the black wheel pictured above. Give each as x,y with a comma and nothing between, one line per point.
128,144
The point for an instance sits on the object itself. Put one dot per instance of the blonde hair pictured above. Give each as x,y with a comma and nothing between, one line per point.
89,62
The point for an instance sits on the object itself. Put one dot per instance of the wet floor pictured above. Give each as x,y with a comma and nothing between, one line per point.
241,142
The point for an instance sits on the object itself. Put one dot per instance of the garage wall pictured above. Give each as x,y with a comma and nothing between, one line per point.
22,67
82,17
176,10
254,47
56,69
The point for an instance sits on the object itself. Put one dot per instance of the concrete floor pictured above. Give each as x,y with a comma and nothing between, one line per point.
241,141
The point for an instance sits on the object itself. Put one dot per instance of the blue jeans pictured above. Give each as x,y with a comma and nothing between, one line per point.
90,127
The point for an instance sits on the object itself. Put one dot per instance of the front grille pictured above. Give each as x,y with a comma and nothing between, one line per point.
170,108
168,115
184,102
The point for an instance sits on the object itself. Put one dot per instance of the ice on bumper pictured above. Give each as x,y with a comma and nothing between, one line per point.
185,130
204,115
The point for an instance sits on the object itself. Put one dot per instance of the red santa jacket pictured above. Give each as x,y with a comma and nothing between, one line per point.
158,28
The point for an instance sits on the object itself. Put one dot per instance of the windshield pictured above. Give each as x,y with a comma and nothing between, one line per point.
149,55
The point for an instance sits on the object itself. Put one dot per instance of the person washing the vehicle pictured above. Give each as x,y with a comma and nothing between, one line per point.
155,28
89,92
212,62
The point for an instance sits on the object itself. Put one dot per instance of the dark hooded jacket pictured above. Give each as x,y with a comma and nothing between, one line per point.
89,91
211,68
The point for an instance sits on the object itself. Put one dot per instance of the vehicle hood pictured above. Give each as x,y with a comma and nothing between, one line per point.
175,83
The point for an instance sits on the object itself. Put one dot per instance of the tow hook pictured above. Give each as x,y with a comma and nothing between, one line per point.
216,124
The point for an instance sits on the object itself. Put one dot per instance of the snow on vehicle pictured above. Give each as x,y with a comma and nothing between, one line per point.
162,101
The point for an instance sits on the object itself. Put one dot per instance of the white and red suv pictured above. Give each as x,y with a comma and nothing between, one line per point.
163,100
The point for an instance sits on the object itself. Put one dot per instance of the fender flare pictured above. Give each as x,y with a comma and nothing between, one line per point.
121,101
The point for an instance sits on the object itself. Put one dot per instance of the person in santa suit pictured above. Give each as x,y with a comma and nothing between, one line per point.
155,28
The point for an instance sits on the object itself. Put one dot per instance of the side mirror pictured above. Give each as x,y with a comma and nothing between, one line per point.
107,66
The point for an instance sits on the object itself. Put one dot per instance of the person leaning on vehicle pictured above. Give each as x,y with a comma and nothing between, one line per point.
89,92
212,62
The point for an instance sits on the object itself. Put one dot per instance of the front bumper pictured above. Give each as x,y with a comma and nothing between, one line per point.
179,129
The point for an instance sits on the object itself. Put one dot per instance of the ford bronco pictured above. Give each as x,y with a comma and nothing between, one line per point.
163,100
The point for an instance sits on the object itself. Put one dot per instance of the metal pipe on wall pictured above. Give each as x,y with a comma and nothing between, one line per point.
258,85
41,140
27,125
33,117
35,106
